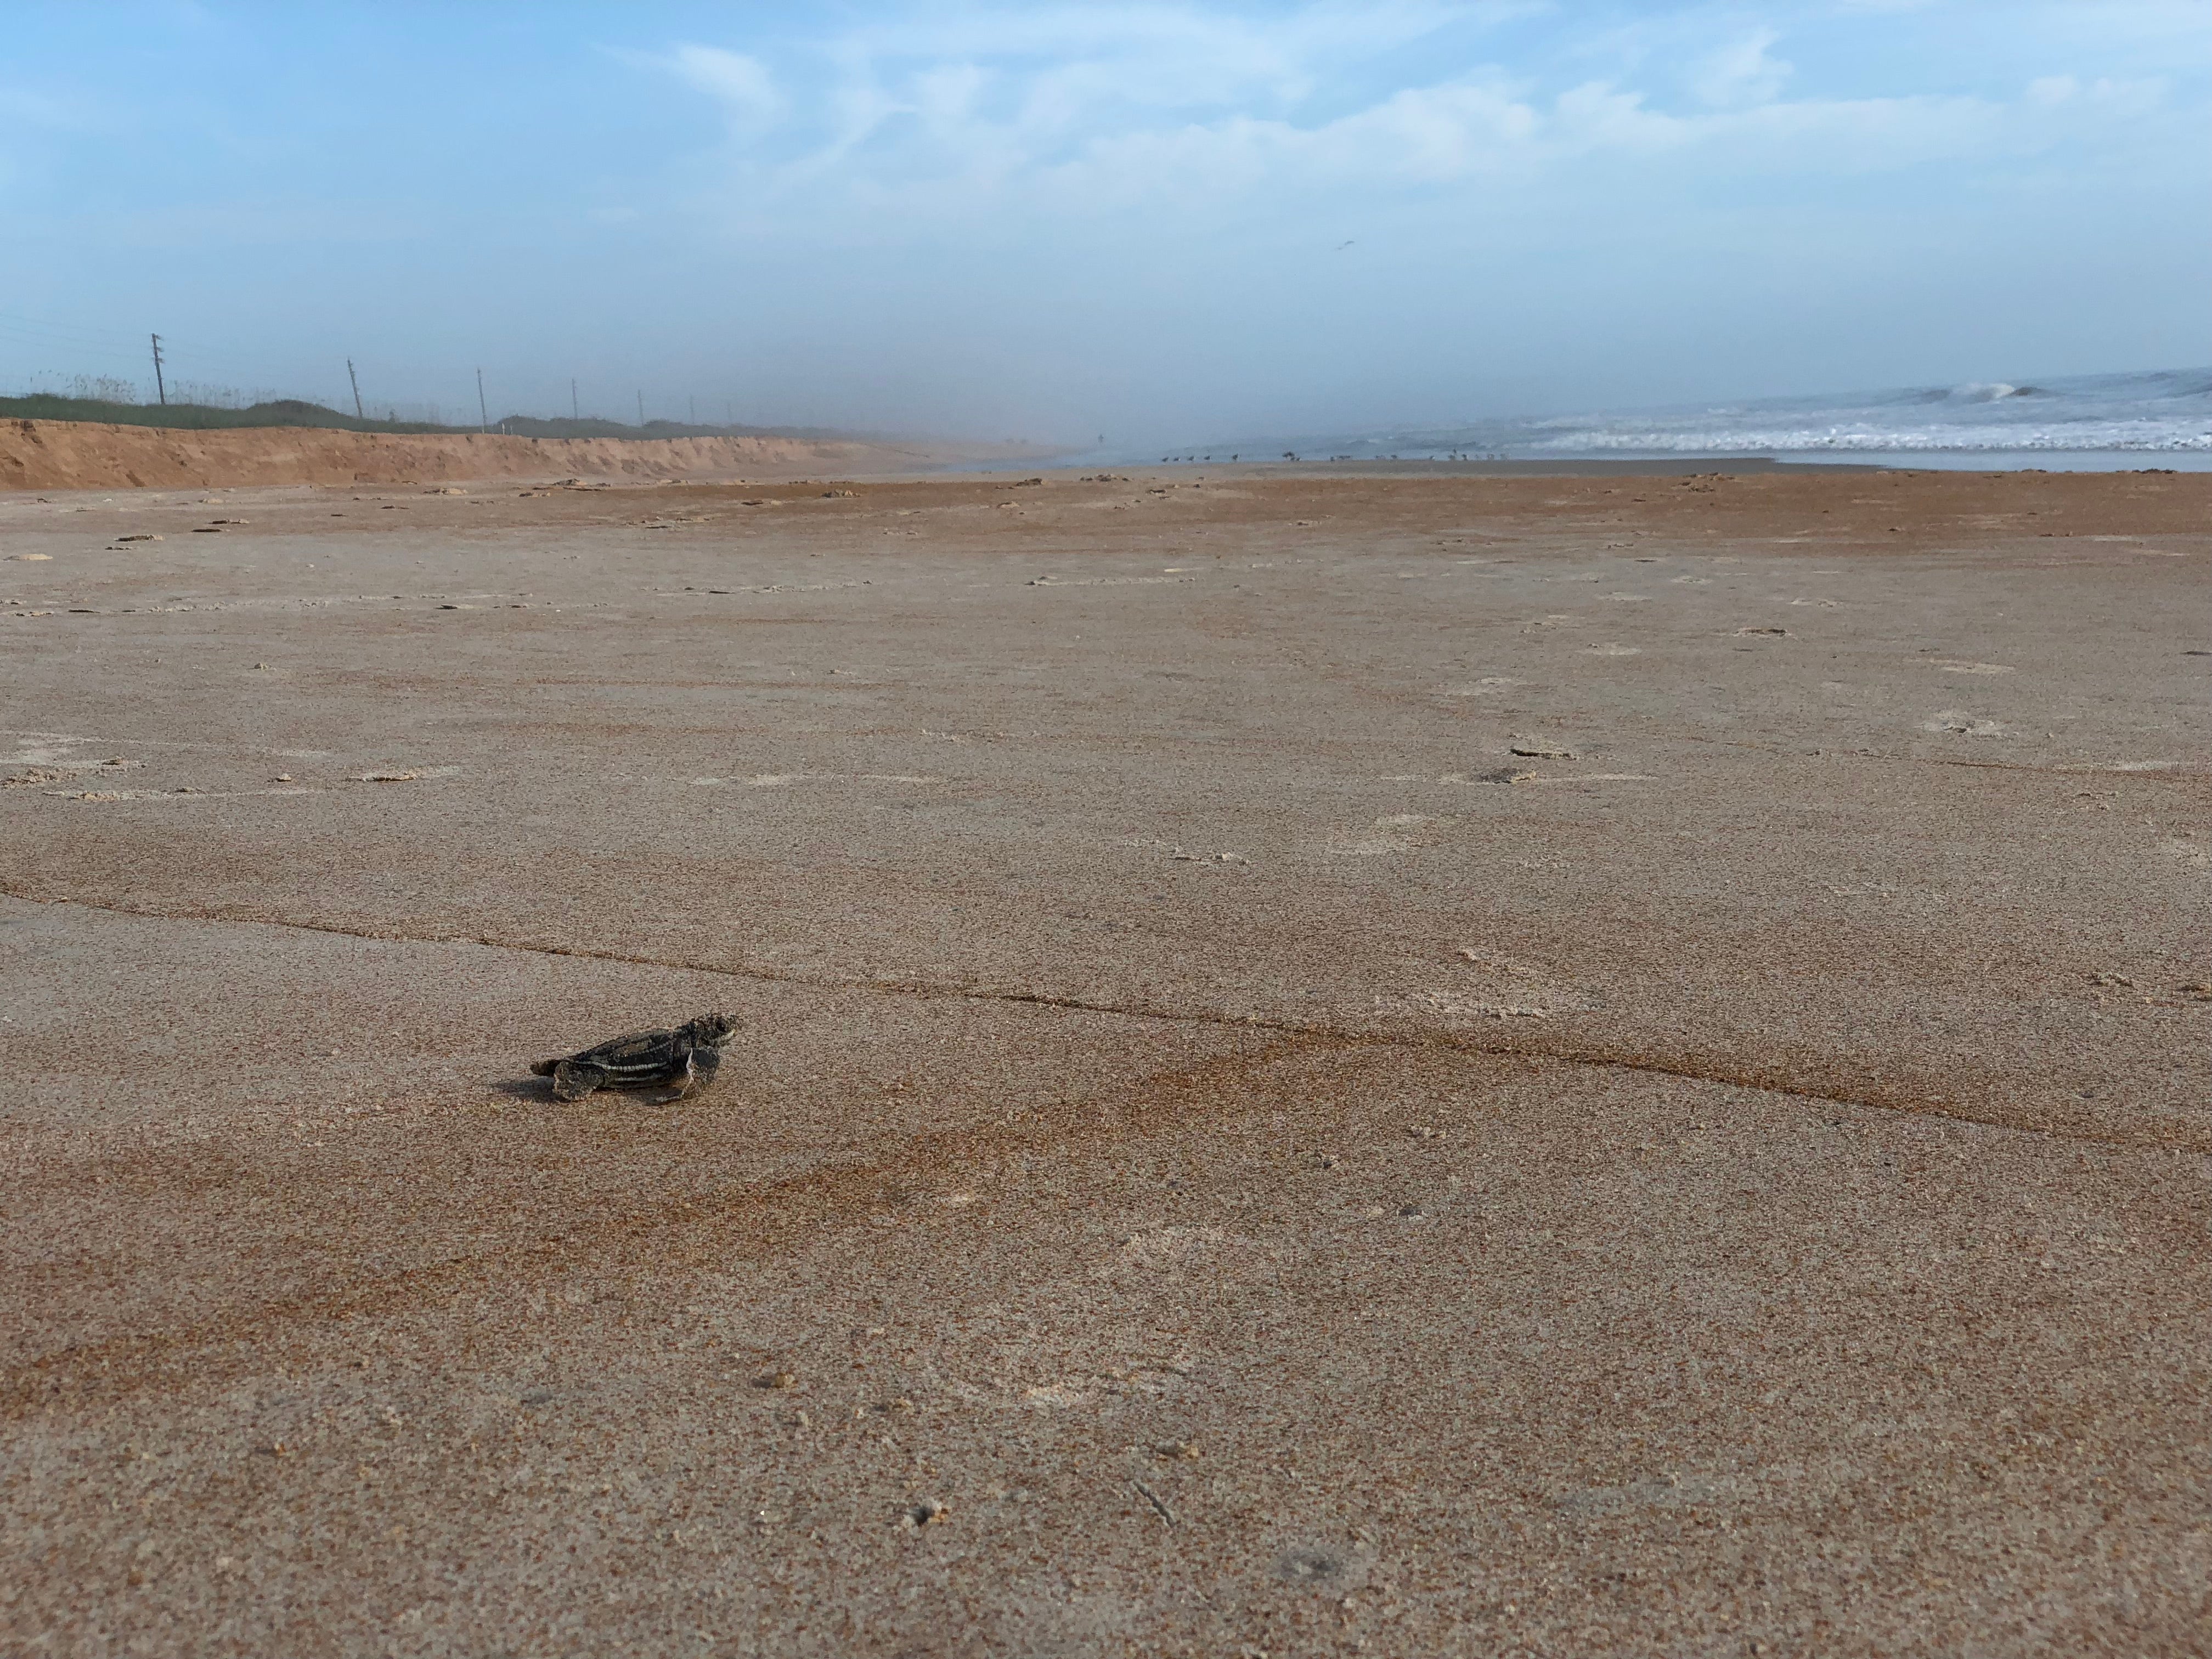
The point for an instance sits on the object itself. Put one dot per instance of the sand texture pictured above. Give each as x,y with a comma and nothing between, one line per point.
1422,1065
88,455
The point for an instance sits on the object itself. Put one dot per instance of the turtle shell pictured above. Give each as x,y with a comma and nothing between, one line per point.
640,1056
662,1054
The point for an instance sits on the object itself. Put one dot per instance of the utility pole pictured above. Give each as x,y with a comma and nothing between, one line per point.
575,409
356,379
160,390
641,411
694,410
484,414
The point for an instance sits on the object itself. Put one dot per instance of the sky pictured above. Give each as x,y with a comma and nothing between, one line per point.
1160,223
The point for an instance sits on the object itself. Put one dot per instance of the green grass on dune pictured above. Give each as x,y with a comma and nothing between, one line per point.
47,406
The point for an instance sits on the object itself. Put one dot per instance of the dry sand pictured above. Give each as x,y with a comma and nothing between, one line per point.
1441,1064
88,455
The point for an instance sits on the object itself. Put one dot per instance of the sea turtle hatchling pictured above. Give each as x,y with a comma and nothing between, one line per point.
684,1057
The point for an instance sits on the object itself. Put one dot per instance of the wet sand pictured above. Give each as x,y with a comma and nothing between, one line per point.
1411,1064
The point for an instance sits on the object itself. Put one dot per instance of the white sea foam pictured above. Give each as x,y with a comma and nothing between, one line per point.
2164,411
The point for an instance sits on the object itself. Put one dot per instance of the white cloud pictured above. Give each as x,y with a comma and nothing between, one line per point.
1082,110
1741,73
1041,81
741,84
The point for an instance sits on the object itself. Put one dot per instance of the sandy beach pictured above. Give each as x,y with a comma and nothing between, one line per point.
1415,1063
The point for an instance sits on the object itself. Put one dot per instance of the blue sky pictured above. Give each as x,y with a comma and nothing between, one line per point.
1157,221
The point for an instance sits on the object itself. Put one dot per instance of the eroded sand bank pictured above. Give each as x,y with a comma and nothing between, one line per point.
51,455
1571,1065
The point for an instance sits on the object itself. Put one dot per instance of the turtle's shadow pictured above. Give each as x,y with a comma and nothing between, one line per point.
539,1091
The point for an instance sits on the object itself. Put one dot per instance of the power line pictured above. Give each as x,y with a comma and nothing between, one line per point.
102,338
107,353
109,346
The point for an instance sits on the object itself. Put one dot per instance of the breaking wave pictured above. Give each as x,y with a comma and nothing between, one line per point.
2166,410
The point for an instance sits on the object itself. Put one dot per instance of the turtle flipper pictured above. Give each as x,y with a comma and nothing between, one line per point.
705,1062
573,1078
695,1072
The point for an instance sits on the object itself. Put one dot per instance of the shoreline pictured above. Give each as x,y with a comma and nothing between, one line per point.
1673,463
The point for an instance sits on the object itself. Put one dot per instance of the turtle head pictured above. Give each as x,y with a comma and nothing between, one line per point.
713,1029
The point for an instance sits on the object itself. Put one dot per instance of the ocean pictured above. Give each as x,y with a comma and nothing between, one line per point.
2160,418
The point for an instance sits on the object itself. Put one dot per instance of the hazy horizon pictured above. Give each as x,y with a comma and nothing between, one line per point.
1164,223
